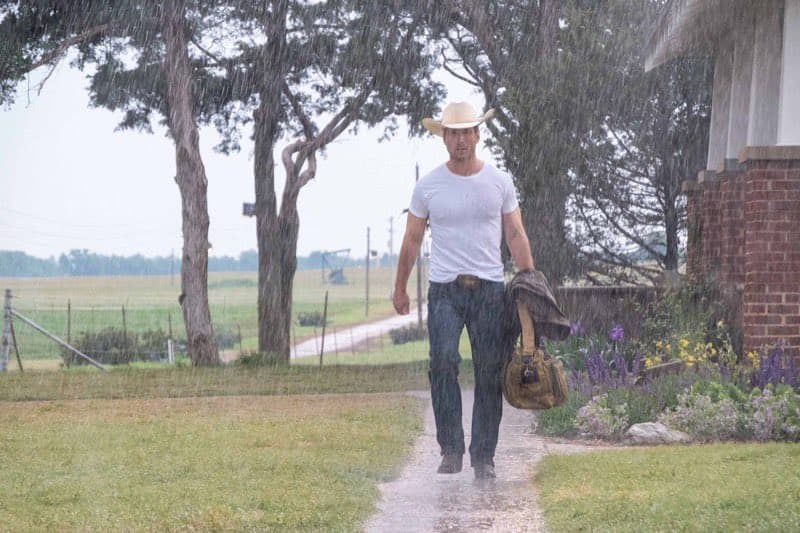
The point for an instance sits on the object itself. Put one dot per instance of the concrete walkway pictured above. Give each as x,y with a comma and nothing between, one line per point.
344,339
422,500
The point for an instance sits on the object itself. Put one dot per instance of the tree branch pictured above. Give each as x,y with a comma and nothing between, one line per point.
63,47
308,126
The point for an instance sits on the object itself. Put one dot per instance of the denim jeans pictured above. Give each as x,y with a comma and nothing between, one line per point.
481,310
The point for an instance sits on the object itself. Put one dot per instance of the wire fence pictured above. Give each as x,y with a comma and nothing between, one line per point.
121,334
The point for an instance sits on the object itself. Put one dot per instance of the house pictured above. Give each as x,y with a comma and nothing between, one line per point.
744,207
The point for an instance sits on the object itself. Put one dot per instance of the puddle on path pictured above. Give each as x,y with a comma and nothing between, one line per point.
424,501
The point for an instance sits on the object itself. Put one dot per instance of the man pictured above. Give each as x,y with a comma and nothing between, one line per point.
470,205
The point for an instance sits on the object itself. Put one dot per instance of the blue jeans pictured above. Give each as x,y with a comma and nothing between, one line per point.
481,310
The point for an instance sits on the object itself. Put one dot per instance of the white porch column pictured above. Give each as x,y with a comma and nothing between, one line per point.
762,128
744,35
720,106
789,119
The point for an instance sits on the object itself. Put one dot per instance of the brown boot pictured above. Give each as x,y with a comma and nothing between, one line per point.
484,471
451,463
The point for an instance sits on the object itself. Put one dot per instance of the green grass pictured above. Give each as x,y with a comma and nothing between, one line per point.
151,301
210,464
721,487
232,380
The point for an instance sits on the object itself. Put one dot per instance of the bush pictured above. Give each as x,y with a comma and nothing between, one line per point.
261,359
226,337
703,418
773,415
313,318
560,421
109,346
410,333
601,418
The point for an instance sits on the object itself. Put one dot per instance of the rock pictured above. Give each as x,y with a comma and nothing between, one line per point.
655,433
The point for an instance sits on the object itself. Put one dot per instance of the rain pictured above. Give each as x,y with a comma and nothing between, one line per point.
319,355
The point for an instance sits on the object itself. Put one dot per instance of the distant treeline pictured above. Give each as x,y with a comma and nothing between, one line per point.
85,263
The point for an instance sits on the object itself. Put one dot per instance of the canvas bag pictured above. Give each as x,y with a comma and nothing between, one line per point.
530,379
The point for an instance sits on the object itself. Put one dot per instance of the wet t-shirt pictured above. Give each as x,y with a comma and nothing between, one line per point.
465,215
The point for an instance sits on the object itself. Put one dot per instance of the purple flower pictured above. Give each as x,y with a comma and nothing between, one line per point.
597,369
617,334
576,329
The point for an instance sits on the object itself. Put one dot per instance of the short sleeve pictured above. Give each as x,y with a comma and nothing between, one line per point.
419,204
510,202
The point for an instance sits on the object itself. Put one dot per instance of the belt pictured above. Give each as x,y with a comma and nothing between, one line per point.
467,281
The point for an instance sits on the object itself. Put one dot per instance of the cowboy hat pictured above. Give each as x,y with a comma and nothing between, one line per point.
459,115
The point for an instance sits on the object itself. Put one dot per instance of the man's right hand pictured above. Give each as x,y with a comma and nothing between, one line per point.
401,301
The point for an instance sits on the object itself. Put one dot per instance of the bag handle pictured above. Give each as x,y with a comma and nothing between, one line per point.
528,335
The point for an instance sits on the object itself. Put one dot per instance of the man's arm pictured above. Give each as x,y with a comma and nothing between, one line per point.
415,229
517,240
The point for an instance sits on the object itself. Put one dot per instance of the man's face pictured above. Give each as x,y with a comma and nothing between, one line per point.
461,143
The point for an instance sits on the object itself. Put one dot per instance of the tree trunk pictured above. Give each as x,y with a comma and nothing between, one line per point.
275,271
275,293
274,303
191,179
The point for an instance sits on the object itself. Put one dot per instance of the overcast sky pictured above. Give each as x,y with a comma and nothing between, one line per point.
68,180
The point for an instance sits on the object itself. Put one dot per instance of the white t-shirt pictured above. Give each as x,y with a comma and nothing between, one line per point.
465,215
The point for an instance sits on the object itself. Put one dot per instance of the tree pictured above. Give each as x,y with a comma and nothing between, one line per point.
627,193
105,32
514,53
320,70
563,75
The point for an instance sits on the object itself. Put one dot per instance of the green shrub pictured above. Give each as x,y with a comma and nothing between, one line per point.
311,318
226,337
560,421
703,418
772,415
410,333
261,359
602,418
109,346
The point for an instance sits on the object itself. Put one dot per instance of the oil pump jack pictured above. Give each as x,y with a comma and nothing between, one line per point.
336,272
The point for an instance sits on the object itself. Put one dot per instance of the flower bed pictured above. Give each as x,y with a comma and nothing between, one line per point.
719,395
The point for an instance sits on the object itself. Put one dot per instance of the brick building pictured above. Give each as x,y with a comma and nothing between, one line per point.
744,208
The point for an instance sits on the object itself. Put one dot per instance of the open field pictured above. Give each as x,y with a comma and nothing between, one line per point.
720,487
151,302
300,463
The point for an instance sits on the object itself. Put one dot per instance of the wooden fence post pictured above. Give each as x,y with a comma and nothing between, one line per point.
71,358
324,323
16,348
124,336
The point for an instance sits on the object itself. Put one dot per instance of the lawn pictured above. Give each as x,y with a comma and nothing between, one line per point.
721,487
298,463
231,380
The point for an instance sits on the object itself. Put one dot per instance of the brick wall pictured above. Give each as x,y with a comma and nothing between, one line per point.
744,232
732,230
772,251
712,225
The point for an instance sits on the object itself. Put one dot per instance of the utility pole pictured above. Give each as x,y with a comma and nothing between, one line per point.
366,299
171,269
6,331
419,274
391,256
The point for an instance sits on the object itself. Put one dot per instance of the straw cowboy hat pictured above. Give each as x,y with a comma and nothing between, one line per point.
459,115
